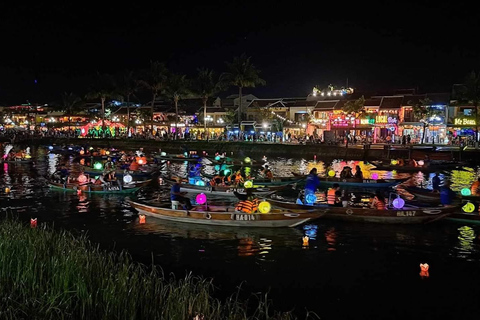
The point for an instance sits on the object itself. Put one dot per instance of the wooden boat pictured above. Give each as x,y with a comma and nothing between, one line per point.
91,188
432,167
119,173
364,183
226,216
428,195
462,217
265,181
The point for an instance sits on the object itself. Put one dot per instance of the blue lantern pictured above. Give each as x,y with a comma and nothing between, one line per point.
310,198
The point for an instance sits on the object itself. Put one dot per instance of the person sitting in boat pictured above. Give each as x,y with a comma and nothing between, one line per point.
334,195
216,180
436,182
475,187
248,202
176,195
378,201
358,173
346,173
267,173
447,194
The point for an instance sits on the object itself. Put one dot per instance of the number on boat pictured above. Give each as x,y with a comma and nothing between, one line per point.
406,213
243,217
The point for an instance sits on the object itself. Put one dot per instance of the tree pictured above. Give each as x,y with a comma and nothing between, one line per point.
354,106
424,111
470,92
242,74
155,80
129,85
72,104
103,89
206,85
230,116
177,87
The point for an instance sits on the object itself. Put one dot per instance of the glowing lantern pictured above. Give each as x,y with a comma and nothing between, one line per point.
264,207
97,166
163,154
331,173
127,178
217,158
107,152
398,203
140,161
248,184
200,183
79,191
201,198
424,270
217,167
141,219
50,148
315,158
310,198
466,192
82,152
82,178
375,176
33,223
7,190
185,154
468,207
305,241
421,162
226,172
247,160
394,162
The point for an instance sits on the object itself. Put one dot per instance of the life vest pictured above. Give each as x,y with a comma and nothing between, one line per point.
238,178
133,166
247,206
331,196
474,188
379,205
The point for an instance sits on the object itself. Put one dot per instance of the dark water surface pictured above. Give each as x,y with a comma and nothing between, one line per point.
348,271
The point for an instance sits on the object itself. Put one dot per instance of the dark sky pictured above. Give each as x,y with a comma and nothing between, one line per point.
296,44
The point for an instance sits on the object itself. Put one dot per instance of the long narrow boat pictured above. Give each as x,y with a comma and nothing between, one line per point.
265,181
429,195
365,183
226,216
432,167
121,172
90,188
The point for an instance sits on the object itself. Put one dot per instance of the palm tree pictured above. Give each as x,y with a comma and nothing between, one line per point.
103,89
155,80
71,103
177,87
470,93
128,87
242,74
206,85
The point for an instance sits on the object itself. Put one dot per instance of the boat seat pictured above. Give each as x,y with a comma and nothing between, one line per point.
175,204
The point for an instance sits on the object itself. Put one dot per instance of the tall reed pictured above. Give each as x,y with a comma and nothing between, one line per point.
48,274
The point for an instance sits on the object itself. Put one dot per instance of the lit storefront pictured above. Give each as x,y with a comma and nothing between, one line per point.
386,127
462,130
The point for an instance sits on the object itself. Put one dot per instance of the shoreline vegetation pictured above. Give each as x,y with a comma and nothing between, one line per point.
50,274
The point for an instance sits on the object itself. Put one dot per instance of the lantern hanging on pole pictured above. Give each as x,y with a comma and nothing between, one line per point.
331,173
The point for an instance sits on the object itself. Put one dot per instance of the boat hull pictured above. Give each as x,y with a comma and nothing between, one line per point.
88,188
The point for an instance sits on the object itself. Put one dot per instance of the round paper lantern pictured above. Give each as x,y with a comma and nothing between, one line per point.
185,154
468,207
331,173
248,184
200,183
310,198
50,148
217,167
127,178
97,166
247,160
264,207
163,153
201,198
7,190
420,162
82,178
217,158
82,152
398,203
374,176
394,162
107,152
466,192
227,172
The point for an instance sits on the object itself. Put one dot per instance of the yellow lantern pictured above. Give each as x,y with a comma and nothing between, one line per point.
305,241
331,173
248,184
264,207
468,207
394,162
7,190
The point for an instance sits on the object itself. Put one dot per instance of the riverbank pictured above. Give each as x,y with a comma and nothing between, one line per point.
48,274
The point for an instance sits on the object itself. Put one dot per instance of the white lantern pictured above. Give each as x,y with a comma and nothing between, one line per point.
127,178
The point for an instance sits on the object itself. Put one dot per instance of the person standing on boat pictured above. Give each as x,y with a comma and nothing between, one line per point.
475,187
378,202
334,196
436,182
312,182
176,195
447,194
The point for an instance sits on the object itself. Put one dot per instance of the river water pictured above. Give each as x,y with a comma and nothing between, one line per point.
348,270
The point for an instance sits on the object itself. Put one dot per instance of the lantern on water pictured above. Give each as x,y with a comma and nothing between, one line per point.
374,176
310,198
185,154
97,166
82,178
264,207
394,162
466,192
424,270
331,173
141,219
248,184
127,178
33,222
420,162
7,190
468,207
398,203
247,160
201,198
217,158
305,241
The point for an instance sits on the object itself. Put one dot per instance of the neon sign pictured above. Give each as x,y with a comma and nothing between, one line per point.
385,119
464,122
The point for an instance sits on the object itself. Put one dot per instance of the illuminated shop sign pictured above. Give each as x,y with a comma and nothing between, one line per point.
464,122
365,121
385,119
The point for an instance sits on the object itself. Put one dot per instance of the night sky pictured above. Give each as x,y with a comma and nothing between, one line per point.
296,44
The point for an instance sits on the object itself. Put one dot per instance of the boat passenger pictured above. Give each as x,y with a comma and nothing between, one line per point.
346,173
248,202
176,195
238,177
378,202
109,169
447,194
358,173
475,187
267,173
436,182
312,182
133,165
334,196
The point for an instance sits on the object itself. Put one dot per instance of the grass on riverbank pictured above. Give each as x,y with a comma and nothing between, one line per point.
47,274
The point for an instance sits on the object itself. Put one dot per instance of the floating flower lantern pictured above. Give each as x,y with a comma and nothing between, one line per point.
305,241
420,162
163,154
82,178
424,270
264,207
394,162
82,152
247,160
217,158
201,198
398,203
310,198
7,190
200,183
141,219
468,207
33,222
466,192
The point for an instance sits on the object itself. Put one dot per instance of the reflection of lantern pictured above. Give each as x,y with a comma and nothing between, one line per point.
127,178
264,207
97,166
248,184
305,241
421,162
247,160
141,219
374,176
217,158
398,203
468,207
310,198
82,178
466,192
107,152
201,198
331,173
394,162
33,223
424,270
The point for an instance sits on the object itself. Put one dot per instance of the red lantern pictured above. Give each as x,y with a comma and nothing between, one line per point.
141,219
33,223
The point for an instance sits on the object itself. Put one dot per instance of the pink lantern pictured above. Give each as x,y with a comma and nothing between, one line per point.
201,198
374,176
82,178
